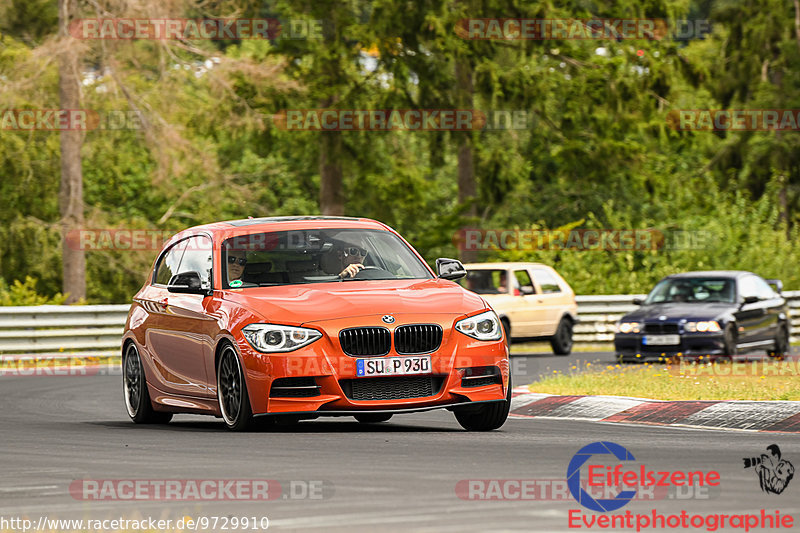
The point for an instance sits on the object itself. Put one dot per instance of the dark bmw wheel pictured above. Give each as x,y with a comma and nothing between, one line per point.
373,418
781,347
730,338
234,402
137,398
562,340
485,417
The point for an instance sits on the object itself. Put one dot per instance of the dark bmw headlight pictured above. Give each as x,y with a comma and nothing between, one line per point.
271,338
627,327
484,327
704,326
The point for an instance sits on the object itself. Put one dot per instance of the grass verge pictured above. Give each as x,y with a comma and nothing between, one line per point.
757,380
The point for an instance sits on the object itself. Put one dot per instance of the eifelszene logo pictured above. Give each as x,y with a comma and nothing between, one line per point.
574,477
630,477
774,473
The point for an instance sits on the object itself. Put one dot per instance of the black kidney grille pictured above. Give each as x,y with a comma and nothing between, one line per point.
365,341
391,388
661,328
417,338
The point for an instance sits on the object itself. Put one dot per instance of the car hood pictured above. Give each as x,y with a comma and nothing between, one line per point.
673,311
316,302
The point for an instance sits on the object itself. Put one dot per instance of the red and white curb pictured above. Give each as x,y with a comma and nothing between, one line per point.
773,416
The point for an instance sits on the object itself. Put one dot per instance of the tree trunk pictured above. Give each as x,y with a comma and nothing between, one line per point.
467,186
71,191
331,198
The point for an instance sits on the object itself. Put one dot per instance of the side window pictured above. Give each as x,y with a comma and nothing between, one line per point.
763,290
547,281
747,287
169,263
197,258
524,280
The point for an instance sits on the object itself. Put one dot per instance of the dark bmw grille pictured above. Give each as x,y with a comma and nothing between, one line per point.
302,387
391,388
417,338
365,341
661,328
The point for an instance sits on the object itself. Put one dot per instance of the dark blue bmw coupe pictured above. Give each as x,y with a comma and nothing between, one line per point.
719,314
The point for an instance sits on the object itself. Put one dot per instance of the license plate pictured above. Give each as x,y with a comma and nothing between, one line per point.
662,340
393,366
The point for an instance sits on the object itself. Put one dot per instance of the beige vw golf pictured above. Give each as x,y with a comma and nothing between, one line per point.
531,299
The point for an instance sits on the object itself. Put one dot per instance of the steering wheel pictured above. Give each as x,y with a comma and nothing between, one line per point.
371,272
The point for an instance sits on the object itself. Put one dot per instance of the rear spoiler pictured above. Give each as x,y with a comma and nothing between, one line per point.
778,284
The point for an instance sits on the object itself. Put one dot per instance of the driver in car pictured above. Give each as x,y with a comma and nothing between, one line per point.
351,259
237,259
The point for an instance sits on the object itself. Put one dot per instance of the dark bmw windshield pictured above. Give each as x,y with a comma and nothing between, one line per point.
316,256
693,290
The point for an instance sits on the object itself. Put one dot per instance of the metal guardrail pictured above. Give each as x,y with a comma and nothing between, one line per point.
53,330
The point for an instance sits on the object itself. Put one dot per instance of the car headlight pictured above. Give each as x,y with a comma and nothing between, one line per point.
706,326
271,338
484,327
628,327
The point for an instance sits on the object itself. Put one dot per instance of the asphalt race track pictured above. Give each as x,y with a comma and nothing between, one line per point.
339,475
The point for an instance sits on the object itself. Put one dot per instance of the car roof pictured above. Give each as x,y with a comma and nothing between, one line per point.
502,265
275,223
712,274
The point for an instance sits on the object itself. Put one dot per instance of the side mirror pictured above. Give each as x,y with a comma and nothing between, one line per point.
776,284
637,301
450,268
526,290
187,283
750,299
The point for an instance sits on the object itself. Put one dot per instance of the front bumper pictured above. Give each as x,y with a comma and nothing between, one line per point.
630,347
327,381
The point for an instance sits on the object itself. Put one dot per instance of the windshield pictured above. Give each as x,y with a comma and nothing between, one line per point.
317,256
692,290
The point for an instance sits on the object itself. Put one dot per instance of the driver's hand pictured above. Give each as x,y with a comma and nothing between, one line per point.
351,270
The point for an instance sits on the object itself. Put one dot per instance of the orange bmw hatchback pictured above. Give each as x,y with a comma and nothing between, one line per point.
301,317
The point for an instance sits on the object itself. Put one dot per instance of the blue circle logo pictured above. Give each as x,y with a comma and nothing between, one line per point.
574,476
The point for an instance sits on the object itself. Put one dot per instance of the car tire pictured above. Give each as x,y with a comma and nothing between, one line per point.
137,397
506,331
729,340
373,418
781,347
561,342
234,401
485,417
